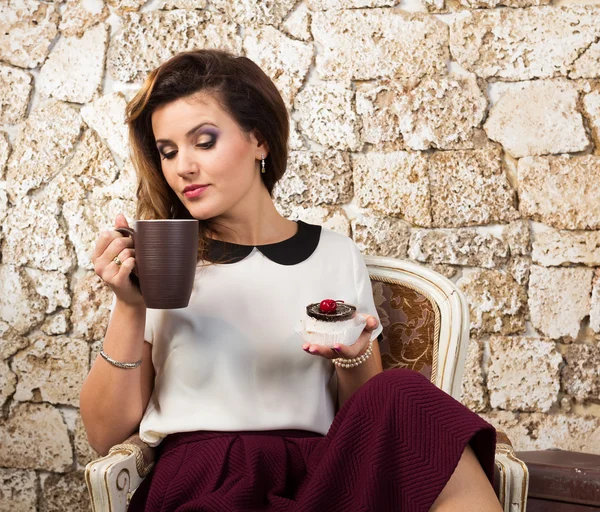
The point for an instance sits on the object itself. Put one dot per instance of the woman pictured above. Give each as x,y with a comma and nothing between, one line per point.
242,417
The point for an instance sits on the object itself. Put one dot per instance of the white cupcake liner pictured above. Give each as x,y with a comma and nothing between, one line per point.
347,336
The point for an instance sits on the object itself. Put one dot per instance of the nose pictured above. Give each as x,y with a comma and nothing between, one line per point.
186,164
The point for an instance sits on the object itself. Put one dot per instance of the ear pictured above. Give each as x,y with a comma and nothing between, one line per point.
262,148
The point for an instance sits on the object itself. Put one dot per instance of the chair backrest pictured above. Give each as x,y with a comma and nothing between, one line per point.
425,320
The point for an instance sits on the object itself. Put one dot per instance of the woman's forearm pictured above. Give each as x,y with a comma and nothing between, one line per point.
350,379
113,399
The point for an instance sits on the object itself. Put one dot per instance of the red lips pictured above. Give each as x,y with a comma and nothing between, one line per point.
193,187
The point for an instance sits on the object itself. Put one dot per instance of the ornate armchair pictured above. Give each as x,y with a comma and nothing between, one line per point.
426,328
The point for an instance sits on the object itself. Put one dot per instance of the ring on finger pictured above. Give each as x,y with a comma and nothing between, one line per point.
117,261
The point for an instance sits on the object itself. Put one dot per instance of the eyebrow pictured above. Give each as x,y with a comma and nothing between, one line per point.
188,134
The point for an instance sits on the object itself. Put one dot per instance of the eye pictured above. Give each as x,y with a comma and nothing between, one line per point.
206,143
168,156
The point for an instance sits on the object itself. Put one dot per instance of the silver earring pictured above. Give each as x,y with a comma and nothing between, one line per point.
262,164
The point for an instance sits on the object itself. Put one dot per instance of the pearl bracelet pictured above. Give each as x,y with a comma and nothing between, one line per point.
119,364
354,362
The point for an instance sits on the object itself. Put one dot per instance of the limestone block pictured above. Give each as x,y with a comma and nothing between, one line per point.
65,492
539,431
34,436
150,38
36,237
435,5
87,219
124,6
106,116
462,246
10,341
555,248
595,306
251,12
91,307
581,374
443,112
329,217
325,5
95,346
363,44
517,122
523,373
91,167
124,187
20,305
518,237
474,395
559,299
75,68
382,107
57,323
588,63
3,205
519,267
297,24
497,303
4,152
79,15
380,235
446,270
470,188
490,4
27,28
52,369
296,141
396,184
83,451
326,115
522,44
591,106
18,490
8,384
284,60
561,192
183,4
42,147
15,90
315,178
52,285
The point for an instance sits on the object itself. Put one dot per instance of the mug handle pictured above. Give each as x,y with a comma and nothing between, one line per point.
135,280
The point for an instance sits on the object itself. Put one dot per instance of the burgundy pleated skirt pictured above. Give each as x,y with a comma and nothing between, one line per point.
392,447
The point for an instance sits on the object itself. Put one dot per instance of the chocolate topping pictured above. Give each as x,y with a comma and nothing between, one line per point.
342,312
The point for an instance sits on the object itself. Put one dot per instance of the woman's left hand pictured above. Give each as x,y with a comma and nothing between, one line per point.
347,352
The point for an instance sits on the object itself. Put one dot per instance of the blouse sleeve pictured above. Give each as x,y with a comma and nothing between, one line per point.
364,290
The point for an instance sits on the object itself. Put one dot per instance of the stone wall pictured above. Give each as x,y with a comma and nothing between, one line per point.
460,134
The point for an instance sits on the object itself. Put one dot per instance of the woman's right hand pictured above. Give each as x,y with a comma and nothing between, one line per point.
110,245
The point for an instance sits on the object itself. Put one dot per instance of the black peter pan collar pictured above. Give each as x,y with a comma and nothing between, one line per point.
292,251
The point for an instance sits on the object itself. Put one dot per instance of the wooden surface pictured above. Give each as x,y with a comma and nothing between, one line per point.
562,476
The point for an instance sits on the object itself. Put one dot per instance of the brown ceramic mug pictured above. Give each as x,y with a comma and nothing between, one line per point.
166,256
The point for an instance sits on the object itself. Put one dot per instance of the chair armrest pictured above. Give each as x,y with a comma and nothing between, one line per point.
112,480
513,476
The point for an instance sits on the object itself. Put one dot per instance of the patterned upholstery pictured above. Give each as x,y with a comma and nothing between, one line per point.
409,327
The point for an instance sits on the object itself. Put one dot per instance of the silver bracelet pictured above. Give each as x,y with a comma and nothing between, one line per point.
354,362
118,364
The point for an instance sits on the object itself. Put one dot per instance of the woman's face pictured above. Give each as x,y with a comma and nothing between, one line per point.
210,163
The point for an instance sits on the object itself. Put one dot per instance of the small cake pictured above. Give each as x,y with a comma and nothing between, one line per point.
331,321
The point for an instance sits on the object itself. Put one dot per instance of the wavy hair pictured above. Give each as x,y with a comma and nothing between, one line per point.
240,87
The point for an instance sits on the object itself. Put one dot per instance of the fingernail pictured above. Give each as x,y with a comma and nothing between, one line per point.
337,348
312,350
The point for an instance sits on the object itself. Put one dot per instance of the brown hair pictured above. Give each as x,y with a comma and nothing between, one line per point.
242,89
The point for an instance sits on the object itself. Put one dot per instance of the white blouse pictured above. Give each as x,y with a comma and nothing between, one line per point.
231,360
